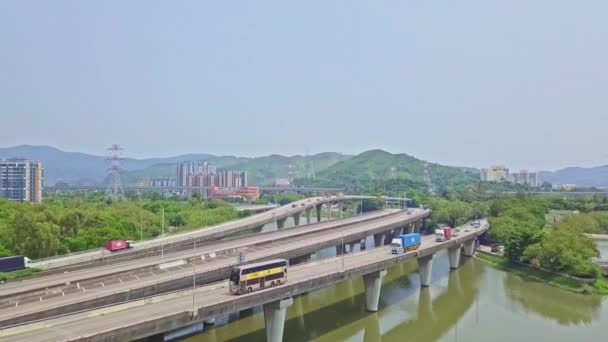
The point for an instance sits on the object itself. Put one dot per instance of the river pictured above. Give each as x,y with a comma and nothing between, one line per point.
474,303
602,246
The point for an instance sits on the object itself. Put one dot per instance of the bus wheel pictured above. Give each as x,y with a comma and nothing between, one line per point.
272,284
249,290
278,282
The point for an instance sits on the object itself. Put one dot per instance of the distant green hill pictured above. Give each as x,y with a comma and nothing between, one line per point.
374,170
261,170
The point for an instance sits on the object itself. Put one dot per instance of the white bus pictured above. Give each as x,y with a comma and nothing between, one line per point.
261,275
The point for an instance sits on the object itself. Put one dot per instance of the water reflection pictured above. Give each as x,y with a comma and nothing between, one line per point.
338,313
563,307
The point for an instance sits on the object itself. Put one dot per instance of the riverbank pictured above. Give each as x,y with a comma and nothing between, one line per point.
598,286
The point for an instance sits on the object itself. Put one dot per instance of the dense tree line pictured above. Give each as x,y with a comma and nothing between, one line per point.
68,224
519,224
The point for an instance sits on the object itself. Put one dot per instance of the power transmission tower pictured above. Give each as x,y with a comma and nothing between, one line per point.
116,192
290,172
427,178
309,166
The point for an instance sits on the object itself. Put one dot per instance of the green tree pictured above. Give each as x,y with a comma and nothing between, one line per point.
518,239
565,250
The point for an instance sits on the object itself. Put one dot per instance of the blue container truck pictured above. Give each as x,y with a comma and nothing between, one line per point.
14,263
406,243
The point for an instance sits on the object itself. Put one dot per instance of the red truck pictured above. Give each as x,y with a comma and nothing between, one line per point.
447,231
117,245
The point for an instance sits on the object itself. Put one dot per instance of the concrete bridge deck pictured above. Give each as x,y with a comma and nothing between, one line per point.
220,248
151,317
278,215
20,308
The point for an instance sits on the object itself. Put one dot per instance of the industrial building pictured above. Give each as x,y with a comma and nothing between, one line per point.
21,180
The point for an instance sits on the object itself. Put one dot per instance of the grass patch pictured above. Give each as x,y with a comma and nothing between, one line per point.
4,276
599,286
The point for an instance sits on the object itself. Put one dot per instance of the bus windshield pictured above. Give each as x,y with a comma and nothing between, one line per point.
235,276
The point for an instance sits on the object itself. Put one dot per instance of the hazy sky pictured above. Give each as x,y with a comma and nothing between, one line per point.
468,82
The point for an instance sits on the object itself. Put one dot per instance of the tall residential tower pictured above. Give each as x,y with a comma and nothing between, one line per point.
21,180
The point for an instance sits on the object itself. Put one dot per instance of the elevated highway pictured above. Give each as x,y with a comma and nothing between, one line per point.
158,315
55,282
87,289
204,234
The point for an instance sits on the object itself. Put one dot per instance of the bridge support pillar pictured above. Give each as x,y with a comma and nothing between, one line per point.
308,215
378,240
281,223
388,237
410,228
425,266
296,219
454,255
341,208
319,207
274,317
469,248
373,283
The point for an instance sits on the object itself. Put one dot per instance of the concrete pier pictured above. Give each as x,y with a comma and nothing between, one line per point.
351,247
296,219
373,284
454,255
308,215
319,207
281,223
378,240
425,266
274,317
469,248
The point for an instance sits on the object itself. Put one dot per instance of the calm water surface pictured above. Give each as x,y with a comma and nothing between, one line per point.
602,246
474,303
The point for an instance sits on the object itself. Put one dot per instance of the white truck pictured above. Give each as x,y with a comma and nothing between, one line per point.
439,235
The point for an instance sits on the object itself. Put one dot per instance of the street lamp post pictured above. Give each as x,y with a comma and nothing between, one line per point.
162,237
141,227
342,233
193,273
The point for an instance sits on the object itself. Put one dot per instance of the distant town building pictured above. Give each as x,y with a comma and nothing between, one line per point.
247,192
524,177
563,187
495,173
163,182
500,173
282,182
195,174
21,180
